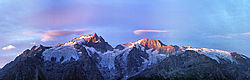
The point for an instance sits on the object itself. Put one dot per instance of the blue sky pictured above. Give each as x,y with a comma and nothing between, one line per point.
217,24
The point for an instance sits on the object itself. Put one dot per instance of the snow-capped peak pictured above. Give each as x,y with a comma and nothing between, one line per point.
150,43
85,36
139,41
94,38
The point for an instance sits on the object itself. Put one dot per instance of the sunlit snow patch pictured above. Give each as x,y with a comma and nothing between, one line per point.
214,53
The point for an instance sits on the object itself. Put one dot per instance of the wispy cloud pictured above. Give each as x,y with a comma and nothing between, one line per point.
9,47
221,36
247,33
31,32
138,32
229,36
51,35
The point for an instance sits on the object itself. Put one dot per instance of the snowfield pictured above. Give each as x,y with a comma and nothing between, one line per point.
106,60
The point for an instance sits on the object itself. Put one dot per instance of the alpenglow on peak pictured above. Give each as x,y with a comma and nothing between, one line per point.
89,57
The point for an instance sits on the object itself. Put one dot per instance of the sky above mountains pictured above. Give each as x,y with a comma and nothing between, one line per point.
217,24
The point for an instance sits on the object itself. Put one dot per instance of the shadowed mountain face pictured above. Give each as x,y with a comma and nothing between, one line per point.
89,57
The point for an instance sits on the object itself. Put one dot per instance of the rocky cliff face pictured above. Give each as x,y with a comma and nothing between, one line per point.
89,57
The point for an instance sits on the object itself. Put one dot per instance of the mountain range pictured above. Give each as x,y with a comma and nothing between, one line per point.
90,57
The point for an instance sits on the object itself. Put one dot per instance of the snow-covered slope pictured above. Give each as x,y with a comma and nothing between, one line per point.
63,53
155,51
125,60
214,53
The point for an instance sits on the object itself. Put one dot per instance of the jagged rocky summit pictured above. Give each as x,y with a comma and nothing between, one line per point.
90,57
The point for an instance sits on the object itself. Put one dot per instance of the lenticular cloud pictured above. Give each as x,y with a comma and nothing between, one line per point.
138,32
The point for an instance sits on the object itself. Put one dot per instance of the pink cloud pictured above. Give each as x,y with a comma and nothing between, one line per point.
51,35
247,33
138,32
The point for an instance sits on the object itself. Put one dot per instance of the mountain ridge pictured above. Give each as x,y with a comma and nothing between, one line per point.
90,57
